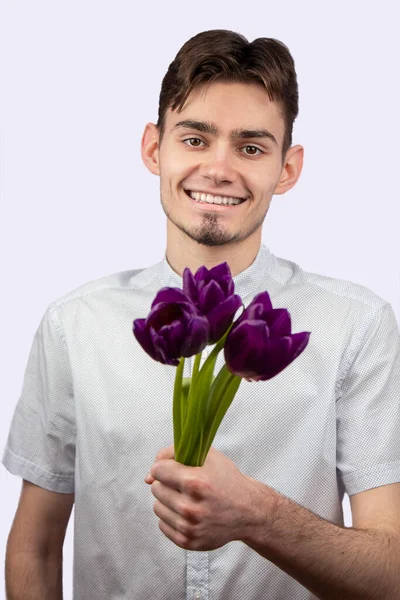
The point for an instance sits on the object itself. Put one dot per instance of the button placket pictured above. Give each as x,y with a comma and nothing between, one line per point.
197,575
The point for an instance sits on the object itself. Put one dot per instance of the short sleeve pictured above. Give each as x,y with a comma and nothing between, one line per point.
41,440
368,410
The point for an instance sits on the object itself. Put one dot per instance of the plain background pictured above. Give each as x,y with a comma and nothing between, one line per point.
80,80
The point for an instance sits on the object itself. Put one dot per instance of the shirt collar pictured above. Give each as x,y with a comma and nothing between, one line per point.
246,283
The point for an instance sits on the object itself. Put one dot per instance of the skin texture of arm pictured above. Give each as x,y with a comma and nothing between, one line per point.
33,565
31,577
203,508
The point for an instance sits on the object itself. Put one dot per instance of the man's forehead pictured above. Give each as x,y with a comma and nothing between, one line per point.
249,109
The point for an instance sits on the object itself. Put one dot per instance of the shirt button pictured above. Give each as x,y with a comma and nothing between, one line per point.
197,596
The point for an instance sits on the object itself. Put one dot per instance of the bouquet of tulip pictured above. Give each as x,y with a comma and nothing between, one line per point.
181,323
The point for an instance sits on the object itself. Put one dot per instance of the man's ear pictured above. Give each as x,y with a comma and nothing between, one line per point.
291,169
150,148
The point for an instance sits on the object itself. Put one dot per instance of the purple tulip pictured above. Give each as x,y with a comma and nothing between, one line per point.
212,291
260,344
174,328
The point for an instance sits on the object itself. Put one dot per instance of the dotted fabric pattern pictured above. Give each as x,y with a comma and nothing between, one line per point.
95,409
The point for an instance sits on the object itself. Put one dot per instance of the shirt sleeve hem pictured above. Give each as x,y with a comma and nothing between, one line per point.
375,476
64,484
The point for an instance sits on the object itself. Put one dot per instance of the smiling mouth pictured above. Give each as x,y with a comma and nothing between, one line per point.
203,198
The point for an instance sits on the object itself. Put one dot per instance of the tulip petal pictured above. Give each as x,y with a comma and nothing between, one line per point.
227,285
279,322
159,346
220,272
164,313
201,275
245,343
169,295
196,336
172,334
300,341
279,356
142,335
254,311
189,286
258,307
265,300
222,316
211,295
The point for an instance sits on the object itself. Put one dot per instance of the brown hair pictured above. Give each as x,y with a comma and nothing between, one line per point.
224,55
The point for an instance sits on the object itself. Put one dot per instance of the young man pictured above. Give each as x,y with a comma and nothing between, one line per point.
263,517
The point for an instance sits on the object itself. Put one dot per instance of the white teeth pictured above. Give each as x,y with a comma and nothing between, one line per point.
209,199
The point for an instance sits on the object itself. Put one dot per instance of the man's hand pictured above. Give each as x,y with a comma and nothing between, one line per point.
204,508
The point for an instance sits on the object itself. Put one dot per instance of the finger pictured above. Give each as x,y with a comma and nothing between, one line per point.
170,472
168,516
175,536
169,497
165,453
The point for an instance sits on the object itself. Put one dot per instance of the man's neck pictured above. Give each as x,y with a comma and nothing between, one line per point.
183,252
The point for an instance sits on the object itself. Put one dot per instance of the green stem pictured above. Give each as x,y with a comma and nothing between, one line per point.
193,429
182,452
177,403
217,392
221,395
184,398
195,460
217,349
196,366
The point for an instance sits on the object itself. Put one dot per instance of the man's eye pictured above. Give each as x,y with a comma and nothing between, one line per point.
197,142
252,148
193,145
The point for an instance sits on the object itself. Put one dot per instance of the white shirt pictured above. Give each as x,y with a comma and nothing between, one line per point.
95,409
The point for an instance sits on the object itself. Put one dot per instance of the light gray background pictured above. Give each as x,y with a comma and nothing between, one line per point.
79,80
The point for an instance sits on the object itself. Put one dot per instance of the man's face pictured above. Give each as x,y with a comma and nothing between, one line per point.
226,142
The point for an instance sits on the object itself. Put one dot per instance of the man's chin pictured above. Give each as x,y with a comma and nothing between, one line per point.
211,238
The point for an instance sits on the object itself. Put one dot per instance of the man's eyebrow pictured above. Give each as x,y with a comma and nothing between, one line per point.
210,128
203,126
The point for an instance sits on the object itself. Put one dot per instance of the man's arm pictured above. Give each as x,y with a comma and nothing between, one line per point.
33,565
32,577
203,508
333,562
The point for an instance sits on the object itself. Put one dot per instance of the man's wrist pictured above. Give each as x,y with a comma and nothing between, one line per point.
260,513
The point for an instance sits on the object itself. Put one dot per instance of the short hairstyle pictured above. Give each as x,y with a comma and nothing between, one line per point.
222,55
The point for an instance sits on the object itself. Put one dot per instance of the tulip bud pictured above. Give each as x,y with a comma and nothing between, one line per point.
174,328
260,344
212,291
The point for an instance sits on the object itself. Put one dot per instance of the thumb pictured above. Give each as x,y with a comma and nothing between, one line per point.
161,455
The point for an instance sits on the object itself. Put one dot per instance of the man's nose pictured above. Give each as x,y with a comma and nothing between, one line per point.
218,165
